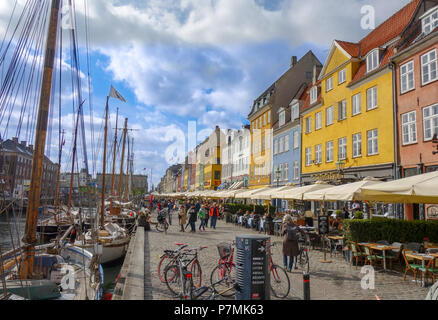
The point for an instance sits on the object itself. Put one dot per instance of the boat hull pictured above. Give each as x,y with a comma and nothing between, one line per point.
110,251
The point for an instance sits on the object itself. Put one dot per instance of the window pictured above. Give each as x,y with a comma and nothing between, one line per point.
356,104
308,124
342,148
372,98
282,118
409,128
280,169
428,67
263,119
296,172
407,81
275,146
281,148
308,156
217,175
313,94
329,151
329,84
357,145
342,76
263,143
373,142
286,143
318,153
430,122
318,120
329,116
295,112
373,60
430,21
342,110
269,116
286,172
296,142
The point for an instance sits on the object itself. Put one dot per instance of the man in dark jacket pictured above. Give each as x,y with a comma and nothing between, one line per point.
192,217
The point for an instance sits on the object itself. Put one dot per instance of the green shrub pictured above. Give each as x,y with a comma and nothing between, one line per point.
259,209
358,215
391,230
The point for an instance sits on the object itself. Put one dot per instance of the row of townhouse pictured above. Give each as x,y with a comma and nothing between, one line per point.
370,110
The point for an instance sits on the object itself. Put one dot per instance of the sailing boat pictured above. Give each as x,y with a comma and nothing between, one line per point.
112,238
56,270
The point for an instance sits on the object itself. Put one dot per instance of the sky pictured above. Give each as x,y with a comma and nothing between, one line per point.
176,61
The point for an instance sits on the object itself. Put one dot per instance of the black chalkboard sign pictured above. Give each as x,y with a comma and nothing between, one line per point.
323,225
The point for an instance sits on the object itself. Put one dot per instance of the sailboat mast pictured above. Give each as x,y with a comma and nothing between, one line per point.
125,130
58,173
40,143
114,163
126,193
102,208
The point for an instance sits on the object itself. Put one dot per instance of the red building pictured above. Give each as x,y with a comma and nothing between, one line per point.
416,83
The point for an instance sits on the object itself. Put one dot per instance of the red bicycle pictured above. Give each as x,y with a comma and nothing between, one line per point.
225,270
280,283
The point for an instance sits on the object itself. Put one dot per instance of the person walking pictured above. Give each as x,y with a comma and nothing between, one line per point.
202,213
192,218
169,211
207,216
182,217
214,214
290,233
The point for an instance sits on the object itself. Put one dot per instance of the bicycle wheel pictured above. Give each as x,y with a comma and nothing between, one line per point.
280,283
303,260
172,279
159,227
220,272
196,271
164,263
165,226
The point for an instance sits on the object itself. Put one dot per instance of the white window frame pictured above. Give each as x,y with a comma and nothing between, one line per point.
313,94
329,84
286,172
308,123
286,143
409,128
430,22
329,120
342,110
407,77
357,145
318,120
329,151
374,139
318,153
308,156
295,112
356,104
282,118
428,64
373,60
372,98
428,120
296,139
296,170
269,116
342,76
342,148
281,147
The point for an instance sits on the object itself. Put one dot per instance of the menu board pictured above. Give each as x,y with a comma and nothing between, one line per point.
323,225
259,269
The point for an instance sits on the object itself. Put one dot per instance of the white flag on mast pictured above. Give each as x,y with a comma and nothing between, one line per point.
115,94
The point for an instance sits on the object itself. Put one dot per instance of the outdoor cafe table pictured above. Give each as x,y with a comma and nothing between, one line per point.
379,247
423,257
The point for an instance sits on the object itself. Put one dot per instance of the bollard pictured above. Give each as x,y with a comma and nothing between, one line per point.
306,286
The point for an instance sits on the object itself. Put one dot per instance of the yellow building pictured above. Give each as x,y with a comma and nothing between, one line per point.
348,121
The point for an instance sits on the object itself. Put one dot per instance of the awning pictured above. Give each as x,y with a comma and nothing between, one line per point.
346,192
247,194
298,193
268,194
422,188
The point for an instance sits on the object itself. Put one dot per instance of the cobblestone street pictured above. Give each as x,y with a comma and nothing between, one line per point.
328,281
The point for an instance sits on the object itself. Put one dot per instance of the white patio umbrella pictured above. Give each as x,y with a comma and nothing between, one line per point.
268,194
248,193
422,188
298,193
346,192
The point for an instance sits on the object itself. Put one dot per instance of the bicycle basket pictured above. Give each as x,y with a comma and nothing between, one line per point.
224,250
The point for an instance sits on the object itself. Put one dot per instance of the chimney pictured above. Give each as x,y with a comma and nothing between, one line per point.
23,143
15,140
314,73
293,61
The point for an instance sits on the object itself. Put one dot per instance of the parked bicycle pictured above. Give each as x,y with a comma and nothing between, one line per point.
198,293
178,277
162,224
225,270
280,283
303,260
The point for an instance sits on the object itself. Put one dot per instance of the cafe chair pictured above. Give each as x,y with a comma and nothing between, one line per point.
357,254
410,264
431,269
414,246
394,256
370,258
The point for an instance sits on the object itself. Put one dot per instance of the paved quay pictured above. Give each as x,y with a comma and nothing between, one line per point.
328,281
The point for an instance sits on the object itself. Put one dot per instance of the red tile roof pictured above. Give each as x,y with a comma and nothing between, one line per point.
353,49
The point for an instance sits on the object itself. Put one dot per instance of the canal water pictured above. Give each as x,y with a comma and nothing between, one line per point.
12,227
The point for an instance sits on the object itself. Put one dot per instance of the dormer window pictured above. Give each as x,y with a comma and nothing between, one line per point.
429,21
373,60
313,94
281,117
